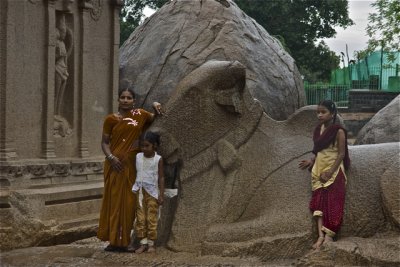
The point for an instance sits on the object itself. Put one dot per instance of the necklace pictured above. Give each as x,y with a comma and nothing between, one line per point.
120,116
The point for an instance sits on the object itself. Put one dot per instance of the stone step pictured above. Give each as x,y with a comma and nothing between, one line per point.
71,210
73,231
63,201
66,193
51,181
86,220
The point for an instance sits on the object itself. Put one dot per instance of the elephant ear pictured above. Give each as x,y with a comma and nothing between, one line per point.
170,148
231,100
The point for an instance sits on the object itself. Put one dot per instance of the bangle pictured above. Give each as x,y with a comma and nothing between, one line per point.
110,157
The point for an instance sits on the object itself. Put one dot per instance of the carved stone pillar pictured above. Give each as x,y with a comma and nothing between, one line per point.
85,8
7,149
48,96
118,4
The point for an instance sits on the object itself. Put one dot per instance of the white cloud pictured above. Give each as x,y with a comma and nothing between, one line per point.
355,36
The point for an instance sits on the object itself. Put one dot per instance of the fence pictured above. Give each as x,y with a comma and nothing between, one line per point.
356,76
315,93
359,76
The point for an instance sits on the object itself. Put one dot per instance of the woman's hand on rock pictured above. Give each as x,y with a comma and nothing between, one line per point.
157,108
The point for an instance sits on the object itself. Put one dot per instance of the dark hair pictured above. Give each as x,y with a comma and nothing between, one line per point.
151,137
330,105
130,90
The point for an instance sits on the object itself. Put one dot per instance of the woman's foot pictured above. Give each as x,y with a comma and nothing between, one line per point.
151,249
141,249
130,249
319,242
111,248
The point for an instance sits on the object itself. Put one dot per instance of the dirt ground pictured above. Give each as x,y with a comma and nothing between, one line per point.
89,252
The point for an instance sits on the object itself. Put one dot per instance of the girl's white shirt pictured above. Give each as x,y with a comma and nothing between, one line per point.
147,176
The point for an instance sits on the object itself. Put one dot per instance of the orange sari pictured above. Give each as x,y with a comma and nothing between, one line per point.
119,203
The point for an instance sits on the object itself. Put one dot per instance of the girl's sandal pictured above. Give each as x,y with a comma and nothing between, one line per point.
141,249
319,242
151,249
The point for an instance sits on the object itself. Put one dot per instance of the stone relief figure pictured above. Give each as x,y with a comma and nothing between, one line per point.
64,46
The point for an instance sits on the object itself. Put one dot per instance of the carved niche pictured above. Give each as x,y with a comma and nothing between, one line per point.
63,91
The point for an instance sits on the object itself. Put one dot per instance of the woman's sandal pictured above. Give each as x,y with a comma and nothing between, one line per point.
111,248
130,249
319,242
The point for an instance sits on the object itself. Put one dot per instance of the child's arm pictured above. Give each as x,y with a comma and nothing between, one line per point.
341,141
135,187
161,181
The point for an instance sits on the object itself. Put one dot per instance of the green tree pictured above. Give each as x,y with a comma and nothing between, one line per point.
132,14
316,62
301,23
384,27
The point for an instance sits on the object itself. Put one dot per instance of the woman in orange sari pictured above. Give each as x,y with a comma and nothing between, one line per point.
119,143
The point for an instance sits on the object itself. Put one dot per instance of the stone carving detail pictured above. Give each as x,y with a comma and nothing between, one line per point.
64,46
243,166
95,13
52,169
66,5
61,168
61,127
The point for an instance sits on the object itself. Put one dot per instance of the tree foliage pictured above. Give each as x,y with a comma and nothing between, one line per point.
301,23
384,26
132,14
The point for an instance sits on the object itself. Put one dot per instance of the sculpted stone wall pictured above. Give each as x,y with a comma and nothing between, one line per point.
57,63
58,80
240,190
183,34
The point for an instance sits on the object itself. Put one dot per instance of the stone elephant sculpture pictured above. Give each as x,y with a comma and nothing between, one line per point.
240,190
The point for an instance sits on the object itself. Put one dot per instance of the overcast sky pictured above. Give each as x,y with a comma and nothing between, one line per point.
354,36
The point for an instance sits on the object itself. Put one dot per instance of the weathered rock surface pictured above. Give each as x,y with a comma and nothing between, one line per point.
90,252
49,215
384,127
355,251
241,192
391,193
350,251
183,34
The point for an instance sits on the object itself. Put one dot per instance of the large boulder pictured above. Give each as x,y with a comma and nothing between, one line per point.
384,127
182,35
240,190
